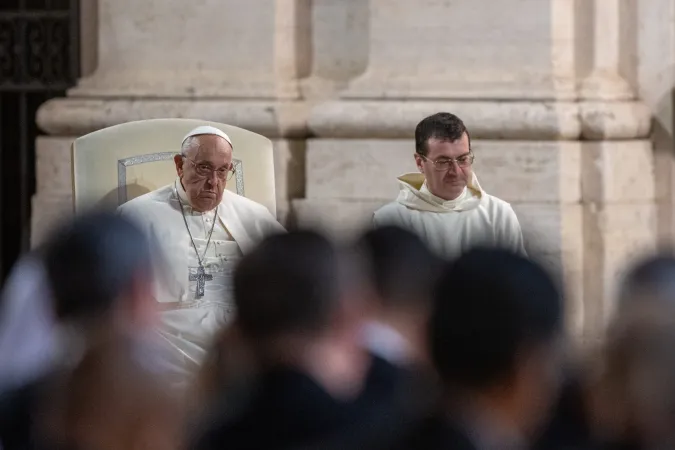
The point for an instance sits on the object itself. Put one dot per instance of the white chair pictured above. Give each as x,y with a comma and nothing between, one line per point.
116,164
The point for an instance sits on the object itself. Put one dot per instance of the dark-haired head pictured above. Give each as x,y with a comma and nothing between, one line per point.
95,261
288,284
443,154
650,279
497,317
400,266
443,126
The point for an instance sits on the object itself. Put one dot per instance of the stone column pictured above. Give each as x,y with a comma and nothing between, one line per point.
208,59
512,70
655,80
618,175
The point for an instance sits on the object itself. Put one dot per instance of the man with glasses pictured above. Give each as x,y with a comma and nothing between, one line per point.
201,230
444,203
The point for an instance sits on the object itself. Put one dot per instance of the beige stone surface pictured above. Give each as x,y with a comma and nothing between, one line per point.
553,235
368,119
614,235
54,165
618,171
516,171
289,175
161,48
605,81
77,116
414,52
48,212
615,120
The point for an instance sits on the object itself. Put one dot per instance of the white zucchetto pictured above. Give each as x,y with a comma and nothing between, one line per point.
207,129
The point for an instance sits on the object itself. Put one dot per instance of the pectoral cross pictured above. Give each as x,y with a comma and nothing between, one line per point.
201,277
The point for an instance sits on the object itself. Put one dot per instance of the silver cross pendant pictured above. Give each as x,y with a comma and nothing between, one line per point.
201,277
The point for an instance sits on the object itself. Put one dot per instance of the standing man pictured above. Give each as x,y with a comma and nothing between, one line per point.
202,231
444,204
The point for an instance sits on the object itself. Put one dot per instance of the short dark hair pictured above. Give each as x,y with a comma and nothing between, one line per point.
490,304
400,266
443,125
288,284
652,278
92,261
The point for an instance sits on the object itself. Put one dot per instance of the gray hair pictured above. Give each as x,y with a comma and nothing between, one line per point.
187,145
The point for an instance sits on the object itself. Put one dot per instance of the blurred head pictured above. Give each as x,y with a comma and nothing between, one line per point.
402,273
635,398
652,279
99,267
204,166
494,333
110,401
443,154
290,284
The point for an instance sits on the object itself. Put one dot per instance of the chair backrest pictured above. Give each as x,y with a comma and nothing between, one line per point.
116,164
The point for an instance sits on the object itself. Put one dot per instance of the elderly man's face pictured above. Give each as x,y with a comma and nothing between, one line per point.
203,171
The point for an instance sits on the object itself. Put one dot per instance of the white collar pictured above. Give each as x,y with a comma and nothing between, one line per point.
446,203
386,342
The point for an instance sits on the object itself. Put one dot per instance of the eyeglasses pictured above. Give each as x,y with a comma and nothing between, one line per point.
443,164
205,170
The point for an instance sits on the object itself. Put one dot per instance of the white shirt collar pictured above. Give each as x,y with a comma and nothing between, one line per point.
385,342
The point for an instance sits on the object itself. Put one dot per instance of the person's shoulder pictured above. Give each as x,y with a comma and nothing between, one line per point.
158,195
391,209
241,202
496,205
141,203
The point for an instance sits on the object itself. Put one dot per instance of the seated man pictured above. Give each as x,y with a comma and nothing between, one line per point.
444,203
202,230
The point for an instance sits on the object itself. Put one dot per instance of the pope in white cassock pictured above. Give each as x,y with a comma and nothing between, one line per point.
444,204
202,231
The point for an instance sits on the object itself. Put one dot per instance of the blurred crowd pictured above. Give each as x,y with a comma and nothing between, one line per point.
373,344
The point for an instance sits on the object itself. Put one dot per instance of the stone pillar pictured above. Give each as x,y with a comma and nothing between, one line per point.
654,81
618,175
551,119
208,59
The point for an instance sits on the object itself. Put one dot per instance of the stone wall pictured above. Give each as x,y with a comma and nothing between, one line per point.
559,96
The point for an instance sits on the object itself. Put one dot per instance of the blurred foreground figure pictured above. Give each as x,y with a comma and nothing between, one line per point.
403,273
28,335
651,279
591,413
315,382
634,401
444,203
494,335
631,400
203,231
105,392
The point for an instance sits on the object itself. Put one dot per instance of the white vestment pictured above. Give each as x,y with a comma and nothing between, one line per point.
240,224
450,227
